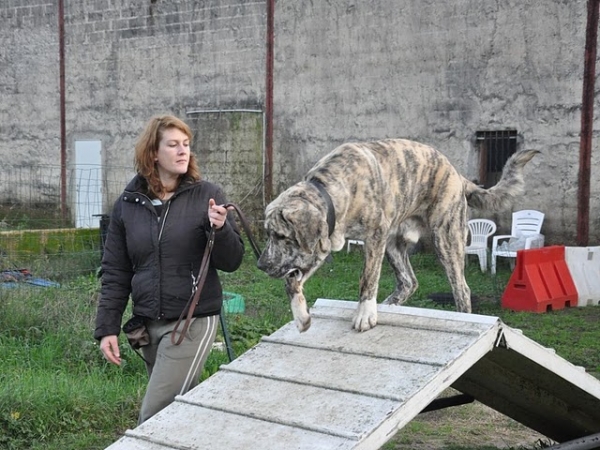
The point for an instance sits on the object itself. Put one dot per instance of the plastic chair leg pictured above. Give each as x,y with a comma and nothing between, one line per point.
482,262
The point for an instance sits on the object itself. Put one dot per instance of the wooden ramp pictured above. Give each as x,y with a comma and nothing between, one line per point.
334,388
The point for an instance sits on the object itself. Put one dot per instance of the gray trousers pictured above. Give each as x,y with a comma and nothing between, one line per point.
174,369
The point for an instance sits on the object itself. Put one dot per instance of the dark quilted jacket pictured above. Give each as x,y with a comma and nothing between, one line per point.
154,260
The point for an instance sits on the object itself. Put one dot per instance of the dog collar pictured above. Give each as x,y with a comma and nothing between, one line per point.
330,208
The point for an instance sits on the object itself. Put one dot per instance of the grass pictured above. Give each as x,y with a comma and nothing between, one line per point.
57,392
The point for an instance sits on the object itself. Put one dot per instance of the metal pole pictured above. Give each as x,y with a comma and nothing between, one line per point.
447,402
268,166
63,133
587,120
226,337
585,443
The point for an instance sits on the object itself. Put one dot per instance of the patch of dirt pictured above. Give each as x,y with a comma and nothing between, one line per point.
473,426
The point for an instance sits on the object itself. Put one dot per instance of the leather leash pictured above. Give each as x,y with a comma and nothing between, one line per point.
190,307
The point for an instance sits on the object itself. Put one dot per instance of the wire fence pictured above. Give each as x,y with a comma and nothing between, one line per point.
48,257
31,197
52,235
48,235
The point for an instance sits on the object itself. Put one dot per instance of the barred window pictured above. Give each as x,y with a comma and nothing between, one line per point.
495,147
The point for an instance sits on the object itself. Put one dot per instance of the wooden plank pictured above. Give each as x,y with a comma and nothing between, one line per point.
345,309
132,443
184,426
377,377
327,411
422,346
544,357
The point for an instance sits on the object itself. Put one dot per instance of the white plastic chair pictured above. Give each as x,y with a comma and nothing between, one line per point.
525,234
480,230
353,242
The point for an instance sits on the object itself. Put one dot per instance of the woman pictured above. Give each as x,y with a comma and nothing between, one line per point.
154,246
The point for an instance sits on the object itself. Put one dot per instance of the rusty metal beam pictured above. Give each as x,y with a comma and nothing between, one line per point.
268,164
587,122
63,133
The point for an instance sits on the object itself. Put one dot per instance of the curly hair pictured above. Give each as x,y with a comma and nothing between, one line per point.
146,150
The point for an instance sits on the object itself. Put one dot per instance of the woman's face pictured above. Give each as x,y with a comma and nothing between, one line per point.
173,156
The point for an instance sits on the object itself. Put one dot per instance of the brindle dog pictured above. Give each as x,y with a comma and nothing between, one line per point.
386,193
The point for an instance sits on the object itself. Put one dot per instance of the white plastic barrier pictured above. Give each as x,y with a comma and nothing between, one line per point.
584,265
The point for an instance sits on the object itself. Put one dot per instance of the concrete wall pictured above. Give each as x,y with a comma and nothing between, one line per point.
29,107
344,70
230,151
129,60
438,72
126,61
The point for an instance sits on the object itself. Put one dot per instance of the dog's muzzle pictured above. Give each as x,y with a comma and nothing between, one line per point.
278,272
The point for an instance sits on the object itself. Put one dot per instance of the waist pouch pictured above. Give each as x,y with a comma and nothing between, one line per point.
136,332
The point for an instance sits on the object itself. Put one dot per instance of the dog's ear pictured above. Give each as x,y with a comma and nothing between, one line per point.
306,222
276,222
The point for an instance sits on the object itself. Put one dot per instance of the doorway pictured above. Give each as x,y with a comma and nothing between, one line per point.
88,183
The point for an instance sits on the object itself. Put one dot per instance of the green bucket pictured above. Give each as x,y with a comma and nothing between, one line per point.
233,303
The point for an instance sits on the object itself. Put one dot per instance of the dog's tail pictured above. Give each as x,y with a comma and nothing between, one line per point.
511,185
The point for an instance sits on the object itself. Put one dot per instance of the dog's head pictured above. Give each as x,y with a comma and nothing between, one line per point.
297,234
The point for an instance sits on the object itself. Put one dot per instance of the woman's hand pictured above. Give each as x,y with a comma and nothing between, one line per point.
109,345
217,214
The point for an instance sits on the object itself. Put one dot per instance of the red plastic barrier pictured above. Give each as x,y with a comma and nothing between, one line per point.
540,282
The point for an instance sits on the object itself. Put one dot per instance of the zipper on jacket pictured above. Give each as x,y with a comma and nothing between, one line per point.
163,219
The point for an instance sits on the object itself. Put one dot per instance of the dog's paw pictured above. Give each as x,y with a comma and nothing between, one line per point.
366,315
300,312
399,296
302,325
391,301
